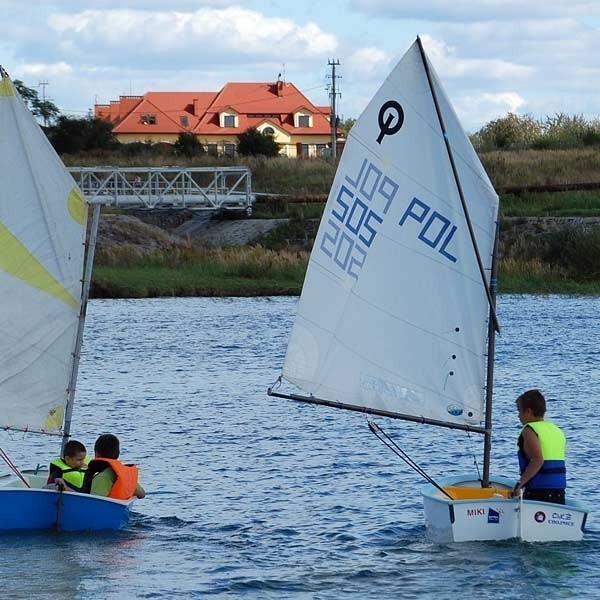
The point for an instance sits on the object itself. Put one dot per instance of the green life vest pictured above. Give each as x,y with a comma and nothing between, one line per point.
73,477
552,474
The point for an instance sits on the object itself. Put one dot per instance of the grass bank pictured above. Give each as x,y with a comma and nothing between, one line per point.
248,271
259,271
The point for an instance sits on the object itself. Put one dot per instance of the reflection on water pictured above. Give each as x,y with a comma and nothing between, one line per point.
257,497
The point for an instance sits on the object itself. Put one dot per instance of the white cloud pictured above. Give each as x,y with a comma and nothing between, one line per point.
367,63
45,70
189,37
474,110
448,64
480,10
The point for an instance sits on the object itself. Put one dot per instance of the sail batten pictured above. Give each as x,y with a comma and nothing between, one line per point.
43,221
393,312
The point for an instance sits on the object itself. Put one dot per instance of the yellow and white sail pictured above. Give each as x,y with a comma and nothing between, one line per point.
42,234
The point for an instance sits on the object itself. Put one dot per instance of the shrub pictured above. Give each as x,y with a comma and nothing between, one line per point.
187,144
253,143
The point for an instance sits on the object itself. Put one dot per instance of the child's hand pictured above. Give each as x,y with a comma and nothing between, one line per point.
60,484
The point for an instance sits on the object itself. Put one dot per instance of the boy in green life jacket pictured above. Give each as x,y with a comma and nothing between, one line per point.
541,452
67,472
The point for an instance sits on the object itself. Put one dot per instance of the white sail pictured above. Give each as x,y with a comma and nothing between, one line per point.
42,233
393,312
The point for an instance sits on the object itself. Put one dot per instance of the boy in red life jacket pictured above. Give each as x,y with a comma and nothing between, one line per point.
108,476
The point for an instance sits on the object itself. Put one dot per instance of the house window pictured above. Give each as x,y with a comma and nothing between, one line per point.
212,149
302,149
148,119
184,121
268,131
303,121
229,121
229,149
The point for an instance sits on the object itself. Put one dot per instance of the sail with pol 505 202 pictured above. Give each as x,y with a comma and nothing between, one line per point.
397,314
403,329
44,289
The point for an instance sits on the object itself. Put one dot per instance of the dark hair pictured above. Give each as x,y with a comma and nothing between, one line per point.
534,400
107,446
73,447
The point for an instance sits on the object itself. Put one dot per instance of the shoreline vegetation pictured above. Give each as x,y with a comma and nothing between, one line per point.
550,242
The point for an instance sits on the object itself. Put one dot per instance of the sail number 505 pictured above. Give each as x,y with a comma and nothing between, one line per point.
436,231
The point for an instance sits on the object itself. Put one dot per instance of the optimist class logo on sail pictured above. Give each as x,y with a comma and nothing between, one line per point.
363,202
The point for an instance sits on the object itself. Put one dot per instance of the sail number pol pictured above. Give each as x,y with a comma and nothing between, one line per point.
358,211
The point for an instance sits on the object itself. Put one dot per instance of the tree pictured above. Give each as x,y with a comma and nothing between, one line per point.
346,126
187,144
45,109
253,143
70,136
511,131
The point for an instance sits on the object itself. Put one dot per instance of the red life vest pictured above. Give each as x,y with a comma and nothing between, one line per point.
127,477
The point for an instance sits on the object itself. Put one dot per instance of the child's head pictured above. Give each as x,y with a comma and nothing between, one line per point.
74,454
531,406
107,446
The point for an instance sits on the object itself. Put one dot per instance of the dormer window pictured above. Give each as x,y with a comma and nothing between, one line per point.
303,119
184,121
148,119
229,118
268,131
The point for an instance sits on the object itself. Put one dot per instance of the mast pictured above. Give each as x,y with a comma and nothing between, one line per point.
487,441
85,290
459,187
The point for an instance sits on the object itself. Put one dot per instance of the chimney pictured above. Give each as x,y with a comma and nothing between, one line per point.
280,88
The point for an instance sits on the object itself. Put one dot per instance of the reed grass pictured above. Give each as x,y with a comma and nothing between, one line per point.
541,167
557,204
245,271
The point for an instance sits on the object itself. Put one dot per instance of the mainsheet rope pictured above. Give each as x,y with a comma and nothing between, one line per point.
386,440
13,467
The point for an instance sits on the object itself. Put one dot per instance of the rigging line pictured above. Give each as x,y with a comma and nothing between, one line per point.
474,455
13,467
402,454
459,188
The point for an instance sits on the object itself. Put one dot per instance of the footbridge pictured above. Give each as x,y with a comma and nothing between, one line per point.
203,188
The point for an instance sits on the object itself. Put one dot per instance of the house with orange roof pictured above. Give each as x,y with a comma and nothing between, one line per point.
217,118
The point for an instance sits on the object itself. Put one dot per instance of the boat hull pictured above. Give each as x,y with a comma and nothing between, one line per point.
497,517
34,508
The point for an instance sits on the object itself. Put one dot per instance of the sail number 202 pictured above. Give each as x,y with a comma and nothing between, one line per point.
436,230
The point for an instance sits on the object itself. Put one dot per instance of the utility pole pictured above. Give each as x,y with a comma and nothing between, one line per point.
43,85
333,94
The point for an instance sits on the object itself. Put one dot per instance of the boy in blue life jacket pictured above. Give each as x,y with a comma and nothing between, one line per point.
67,472
541,451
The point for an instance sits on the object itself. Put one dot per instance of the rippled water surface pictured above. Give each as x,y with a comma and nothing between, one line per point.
254,497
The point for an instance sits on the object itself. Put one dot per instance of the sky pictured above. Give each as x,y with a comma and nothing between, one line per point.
530,57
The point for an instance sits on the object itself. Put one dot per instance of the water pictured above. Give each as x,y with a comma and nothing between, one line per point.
254,497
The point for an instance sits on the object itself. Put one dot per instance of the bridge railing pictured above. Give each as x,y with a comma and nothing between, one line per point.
210,188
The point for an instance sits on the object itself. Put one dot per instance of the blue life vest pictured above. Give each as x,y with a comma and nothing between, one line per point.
553,474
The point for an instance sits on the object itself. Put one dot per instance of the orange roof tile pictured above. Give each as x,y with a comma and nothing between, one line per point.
174,112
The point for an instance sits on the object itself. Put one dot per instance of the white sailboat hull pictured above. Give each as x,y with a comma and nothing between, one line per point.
497,517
